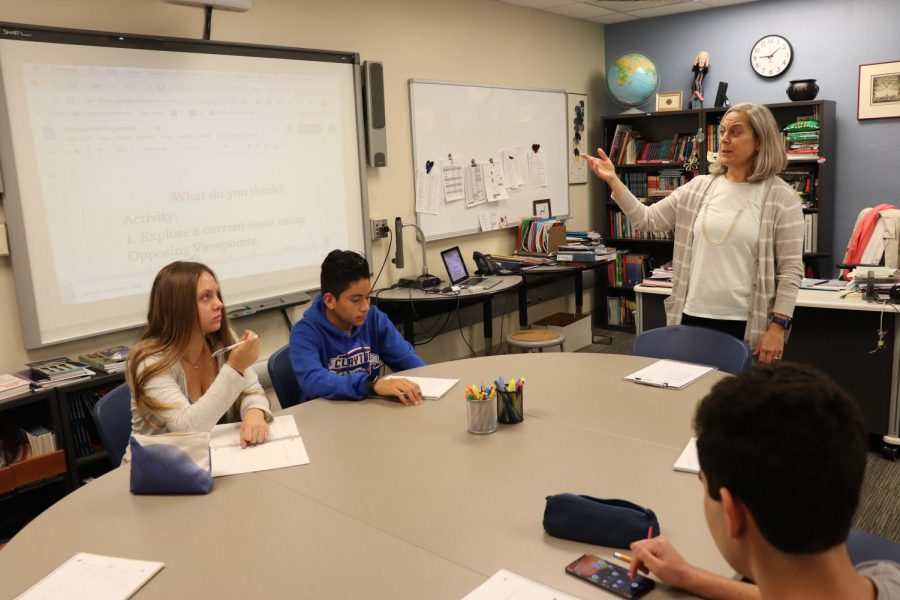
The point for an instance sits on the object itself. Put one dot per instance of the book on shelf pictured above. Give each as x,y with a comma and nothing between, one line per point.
10,386
574,256
109,360
35,440
44,384
56,369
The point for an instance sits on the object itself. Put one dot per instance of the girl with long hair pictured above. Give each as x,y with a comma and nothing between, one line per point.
176,382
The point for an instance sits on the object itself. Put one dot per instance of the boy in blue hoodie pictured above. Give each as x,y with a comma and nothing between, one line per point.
340,344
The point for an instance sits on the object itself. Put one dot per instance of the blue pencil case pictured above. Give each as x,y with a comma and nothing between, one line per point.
170,463
613,523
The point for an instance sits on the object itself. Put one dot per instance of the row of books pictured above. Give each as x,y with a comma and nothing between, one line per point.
628,269
33,441
805,183
621,228
84,432
661,185
620,310
811,232
627,148
572,252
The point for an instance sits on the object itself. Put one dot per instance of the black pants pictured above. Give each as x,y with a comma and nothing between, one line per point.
734,328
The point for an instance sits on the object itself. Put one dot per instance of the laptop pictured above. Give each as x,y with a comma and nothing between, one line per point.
459,274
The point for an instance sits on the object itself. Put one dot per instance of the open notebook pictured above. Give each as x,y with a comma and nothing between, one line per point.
94,577
283,448
669,374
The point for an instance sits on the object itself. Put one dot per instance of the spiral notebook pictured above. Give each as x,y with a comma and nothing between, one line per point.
94,577
283,448
512,586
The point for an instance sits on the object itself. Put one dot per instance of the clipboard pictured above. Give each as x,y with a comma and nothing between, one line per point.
670,374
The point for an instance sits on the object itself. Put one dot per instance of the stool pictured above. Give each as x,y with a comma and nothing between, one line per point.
528,339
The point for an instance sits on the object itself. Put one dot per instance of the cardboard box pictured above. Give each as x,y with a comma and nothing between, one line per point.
576,328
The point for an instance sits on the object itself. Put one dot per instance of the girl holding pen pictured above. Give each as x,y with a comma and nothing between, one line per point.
178,378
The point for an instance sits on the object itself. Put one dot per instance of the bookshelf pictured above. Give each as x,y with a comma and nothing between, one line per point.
29,487
657,154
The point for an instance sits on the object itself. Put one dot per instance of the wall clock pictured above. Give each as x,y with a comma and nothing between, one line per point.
771,56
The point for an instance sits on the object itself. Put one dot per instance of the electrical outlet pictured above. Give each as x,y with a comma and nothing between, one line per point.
379,229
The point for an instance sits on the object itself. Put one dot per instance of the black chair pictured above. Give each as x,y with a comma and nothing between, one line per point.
284,380
112,416
695,345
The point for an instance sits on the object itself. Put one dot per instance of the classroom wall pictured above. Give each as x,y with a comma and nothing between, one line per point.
478,41
831,38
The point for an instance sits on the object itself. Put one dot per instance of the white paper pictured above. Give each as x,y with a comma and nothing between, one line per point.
429,189
475,193
484,220
432,388
283,448
688,460
94,577
454,186
669,374
493,182
506,585
512,158
537,169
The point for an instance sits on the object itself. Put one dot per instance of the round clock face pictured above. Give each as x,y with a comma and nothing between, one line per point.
771,56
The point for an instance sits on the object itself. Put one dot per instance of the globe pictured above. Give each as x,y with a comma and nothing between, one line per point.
632,78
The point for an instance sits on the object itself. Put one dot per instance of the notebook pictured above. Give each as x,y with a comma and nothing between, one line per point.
669,374
512,586
459,274
94,577
432,387
688,461
283,448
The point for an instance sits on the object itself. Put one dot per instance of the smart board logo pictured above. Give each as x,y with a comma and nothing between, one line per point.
16,33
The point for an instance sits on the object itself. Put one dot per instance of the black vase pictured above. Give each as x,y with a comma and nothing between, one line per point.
802,89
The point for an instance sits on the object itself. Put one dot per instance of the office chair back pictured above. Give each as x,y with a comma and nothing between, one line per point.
695,345
112,416
284,380
864,547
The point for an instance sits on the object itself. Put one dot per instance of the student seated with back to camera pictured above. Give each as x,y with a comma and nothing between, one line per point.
782,454
339,346
176,383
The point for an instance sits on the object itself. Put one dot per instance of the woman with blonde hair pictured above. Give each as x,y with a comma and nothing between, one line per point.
738,235
176,382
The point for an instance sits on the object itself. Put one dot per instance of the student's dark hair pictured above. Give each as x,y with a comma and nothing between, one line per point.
340,269
790,444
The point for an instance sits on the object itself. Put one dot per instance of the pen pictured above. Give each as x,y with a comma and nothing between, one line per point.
235,345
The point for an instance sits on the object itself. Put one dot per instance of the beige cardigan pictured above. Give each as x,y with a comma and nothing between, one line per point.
780,248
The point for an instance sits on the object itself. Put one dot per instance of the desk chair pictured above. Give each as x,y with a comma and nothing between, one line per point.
864,546
112,416
284,380
695,345
529,339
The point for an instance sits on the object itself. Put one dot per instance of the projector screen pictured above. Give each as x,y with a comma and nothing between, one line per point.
121,154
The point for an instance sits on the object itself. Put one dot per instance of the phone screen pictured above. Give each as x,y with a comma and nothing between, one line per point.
610,576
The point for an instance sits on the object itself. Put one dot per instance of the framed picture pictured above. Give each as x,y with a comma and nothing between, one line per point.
542,208
879,91
668,101
577,107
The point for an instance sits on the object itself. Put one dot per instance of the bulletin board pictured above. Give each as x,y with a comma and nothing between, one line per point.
468,122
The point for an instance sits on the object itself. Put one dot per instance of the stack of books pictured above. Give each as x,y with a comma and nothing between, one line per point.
54,372
802,139
110,360
10,386
583,252
36,441
660,277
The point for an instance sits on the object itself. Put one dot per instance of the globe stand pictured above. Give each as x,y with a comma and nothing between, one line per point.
632,111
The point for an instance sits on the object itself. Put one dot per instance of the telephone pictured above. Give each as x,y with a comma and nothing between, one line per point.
486,265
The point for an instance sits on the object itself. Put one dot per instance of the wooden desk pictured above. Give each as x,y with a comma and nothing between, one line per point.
836,335
407,305
402,502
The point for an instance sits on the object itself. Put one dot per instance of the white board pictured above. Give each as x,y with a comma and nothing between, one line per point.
478,122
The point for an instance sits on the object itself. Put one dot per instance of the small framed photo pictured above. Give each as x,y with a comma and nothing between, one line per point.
879,91
542,208
668,101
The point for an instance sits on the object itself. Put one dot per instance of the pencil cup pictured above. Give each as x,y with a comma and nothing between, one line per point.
509,407
482,416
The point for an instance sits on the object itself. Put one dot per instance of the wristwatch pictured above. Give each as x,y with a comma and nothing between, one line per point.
370,386
783,321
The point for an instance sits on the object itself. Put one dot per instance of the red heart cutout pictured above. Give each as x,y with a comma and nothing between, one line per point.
535,147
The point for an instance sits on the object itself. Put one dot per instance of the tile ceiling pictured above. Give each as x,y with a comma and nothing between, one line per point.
619,11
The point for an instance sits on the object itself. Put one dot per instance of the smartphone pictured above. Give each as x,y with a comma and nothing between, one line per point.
610,577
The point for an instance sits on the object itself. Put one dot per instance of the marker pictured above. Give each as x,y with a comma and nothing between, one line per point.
235,345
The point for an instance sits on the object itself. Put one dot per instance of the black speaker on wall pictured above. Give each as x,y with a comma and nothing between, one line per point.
376,136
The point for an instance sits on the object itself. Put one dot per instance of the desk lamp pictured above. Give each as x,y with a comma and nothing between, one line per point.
425,280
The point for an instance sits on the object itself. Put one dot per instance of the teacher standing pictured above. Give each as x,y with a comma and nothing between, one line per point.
738,235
